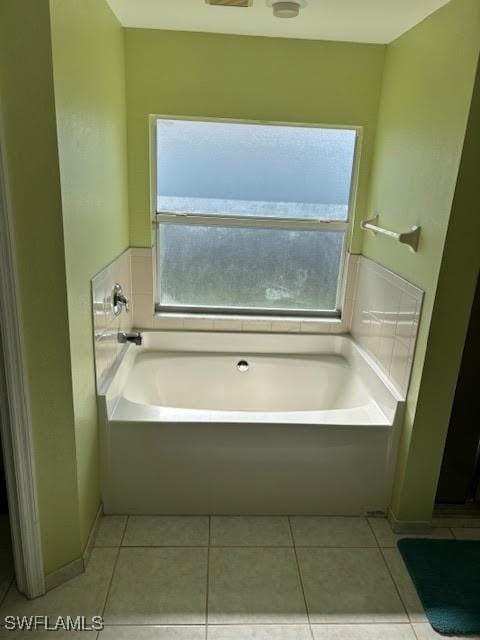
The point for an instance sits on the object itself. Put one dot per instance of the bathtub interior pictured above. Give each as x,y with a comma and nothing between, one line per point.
251,382
234,377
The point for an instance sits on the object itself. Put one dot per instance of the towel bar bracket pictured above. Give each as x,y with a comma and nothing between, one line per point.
410,238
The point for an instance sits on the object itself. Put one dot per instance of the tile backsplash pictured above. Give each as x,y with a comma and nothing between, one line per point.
381,310
385,316
105,324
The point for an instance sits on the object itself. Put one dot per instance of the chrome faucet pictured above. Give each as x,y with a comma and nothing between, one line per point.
119,300
130,336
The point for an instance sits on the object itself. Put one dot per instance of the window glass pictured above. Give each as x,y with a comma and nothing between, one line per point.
248,268
291,188
258,170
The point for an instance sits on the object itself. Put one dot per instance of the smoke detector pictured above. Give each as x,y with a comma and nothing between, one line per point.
282,9
229,3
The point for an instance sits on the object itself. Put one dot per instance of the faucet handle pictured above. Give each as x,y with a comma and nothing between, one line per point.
119,300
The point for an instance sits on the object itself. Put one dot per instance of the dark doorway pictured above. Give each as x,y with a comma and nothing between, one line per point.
460,472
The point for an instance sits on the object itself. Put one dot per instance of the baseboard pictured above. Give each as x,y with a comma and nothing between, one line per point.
458,521
457,515
91,538
78,566
67,572
409,526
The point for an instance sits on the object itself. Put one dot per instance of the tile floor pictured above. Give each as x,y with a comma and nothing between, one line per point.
239,578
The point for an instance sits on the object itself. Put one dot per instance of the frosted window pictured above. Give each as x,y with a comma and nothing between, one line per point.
254,170
248,268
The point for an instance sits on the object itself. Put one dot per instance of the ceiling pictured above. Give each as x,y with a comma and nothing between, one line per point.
379,21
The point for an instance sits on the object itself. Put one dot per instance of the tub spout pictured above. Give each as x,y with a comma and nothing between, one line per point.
133,336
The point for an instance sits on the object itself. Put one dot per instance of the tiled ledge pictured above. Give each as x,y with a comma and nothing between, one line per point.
193,322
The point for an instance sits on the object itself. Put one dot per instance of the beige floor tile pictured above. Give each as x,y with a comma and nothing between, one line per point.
248,586
47,635
110,531
322,531
363,632
259,632
250,531
158,586
166,531
349,586
153,633
466,533
404,585
386,537
424,631
82,596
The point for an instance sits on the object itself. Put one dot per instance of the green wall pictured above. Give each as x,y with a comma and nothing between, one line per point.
427,90
29,149
278,79
89,81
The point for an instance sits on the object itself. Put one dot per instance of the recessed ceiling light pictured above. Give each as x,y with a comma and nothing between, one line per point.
290,9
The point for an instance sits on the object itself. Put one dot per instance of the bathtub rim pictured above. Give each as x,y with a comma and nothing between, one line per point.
388,398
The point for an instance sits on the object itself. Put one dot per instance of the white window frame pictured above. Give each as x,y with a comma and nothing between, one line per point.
168,217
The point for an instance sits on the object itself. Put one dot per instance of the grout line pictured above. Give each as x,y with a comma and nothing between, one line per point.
110,582
240,546
124,531
373,532
10,584
263,624
242,515
114,568
414,632
397,588
300,579
208,574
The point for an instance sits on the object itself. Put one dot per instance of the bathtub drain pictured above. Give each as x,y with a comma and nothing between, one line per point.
242,365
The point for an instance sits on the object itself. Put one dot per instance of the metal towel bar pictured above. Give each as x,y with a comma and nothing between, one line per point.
409,238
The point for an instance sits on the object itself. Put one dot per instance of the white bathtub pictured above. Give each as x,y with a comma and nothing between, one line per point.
247,423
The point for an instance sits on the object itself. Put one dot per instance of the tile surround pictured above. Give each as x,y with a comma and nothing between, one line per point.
105,324
385,317
380,309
